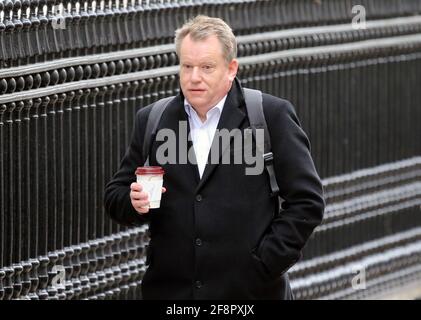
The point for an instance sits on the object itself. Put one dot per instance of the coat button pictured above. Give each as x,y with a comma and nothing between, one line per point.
198,242
198,284
199,198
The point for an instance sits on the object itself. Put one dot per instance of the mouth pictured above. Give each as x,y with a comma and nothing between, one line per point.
196,90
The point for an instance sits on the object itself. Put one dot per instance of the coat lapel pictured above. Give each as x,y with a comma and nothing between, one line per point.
232,117
175,116
182,116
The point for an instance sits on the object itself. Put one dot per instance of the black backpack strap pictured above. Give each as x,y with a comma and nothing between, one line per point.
157,110
254,105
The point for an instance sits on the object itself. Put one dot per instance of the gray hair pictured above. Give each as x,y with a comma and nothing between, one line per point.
202,27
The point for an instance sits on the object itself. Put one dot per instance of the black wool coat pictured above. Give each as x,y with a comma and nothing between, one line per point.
223,236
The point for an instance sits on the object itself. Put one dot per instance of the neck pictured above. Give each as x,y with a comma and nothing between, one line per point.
202,117
201,112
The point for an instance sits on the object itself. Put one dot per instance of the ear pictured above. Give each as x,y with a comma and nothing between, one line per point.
233,69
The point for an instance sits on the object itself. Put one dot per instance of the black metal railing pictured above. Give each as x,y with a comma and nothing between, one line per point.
376,212
67,101
39,30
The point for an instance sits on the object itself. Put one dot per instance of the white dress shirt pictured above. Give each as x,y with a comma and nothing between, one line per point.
202,133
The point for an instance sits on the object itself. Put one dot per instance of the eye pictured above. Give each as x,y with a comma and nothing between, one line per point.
207,68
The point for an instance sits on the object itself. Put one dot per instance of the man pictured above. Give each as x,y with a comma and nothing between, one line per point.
218,233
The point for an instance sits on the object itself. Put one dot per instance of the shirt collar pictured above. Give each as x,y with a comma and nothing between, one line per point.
219,106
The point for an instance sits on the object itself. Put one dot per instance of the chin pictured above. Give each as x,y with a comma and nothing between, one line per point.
195,100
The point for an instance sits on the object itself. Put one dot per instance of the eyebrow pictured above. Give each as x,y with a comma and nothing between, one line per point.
207,62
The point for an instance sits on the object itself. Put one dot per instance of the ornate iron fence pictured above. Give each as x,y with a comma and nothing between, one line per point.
67,100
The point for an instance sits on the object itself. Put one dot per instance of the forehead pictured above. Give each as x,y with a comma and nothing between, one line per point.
208,48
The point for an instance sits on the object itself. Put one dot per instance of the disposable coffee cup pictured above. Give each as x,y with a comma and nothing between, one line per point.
151,179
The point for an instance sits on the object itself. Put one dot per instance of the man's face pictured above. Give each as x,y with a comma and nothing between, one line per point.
205,76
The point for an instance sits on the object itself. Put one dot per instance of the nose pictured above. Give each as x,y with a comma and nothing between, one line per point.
195,75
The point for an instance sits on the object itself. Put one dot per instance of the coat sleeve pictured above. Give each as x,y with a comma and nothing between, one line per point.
300,187
117,192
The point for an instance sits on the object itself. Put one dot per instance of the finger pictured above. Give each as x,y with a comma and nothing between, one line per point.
136,187
142,210
135,195
140,203
142,206
164,189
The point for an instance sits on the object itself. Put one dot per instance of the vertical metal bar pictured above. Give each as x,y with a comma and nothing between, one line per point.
92,269
34,246
333,79
109,275
68,208
84,267
84,167
138,25
85,29
110,155
116,256
66,189
400,85
123,265
59,33
68,267
26,203
43,30
52,172
44,173
131,16
92,25
118,151
2,39
11,54
43,201
76,169
18,38
8,283
59,196
60,180
100,269
100,164
382,112
51,32
26,186
147,24
3,238
126,32
85,170
52,290
17,155
33,33
346,82
394,114
67,33
322,146
372,95
99,26
9,182
108,25
92,165
75,29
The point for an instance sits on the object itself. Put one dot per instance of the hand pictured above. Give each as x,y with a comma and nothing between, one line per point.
140,198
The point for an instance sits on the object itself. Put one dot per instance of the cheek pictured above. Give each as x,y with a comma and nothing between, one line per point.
223,83
219,81
183,77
